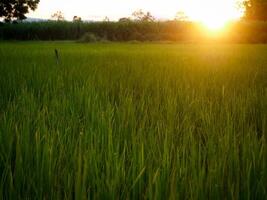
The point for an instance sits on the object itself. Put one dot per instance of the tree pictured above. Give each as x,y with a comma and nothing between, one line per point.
181,16
125,19
140,15
106,19
77,19
58,16
255,9
16,9
148,17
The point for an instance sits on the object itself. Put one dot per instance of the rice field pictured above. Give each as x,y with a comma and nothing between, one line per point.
133,121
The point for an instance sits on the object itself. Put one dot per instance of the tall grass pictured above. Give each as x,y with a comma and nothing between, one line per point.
127,121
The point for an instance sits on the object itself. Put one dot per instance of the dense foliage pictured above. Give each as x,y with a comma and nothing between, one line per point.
130,30
256,9
133,121
16,9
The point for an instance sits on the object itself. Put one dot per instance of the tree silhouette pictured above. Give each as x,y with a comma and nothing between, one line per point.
106,19
125,19
140,15
58,16
181,16
256,9
77,19
16,9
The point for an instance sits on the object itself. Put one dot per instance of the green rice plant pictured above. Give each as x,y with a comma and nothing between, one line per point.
132,121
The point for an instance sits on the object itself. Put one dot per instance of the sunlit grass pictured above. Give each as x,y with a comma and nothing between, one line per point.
133,121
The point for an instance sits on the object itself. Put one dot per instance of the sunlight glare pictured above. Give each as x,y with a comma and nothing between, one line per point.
214,14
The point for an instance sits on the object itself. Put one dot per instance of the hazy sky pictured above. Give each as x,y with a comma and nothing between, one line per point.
114,9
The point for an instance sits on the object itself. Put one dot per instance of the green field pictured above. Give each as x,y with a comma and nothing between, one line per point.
133,121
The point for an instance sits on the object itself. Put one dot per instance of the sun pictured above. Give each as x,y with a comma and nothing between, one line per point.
214,25
214,14
214,22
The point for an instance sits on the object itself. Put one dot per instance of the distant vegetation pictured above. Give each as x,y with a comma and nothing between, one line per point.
141,26
127,30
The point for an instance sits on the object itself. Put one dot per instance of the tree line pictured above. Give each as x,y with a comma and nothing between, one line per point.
142,26
176,31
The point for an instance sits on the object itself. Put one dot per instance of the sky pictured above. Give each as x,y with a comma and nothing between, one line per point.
115,9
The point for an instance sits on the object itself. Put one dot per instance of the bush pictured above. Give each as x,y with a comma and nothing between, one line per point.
89,38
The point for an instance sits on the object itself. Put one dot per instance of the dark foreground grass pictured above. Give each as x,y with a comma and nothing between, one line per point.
133,121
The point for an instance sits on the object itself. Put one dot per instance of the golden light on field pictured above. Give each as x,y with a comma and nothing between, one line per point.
214,14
